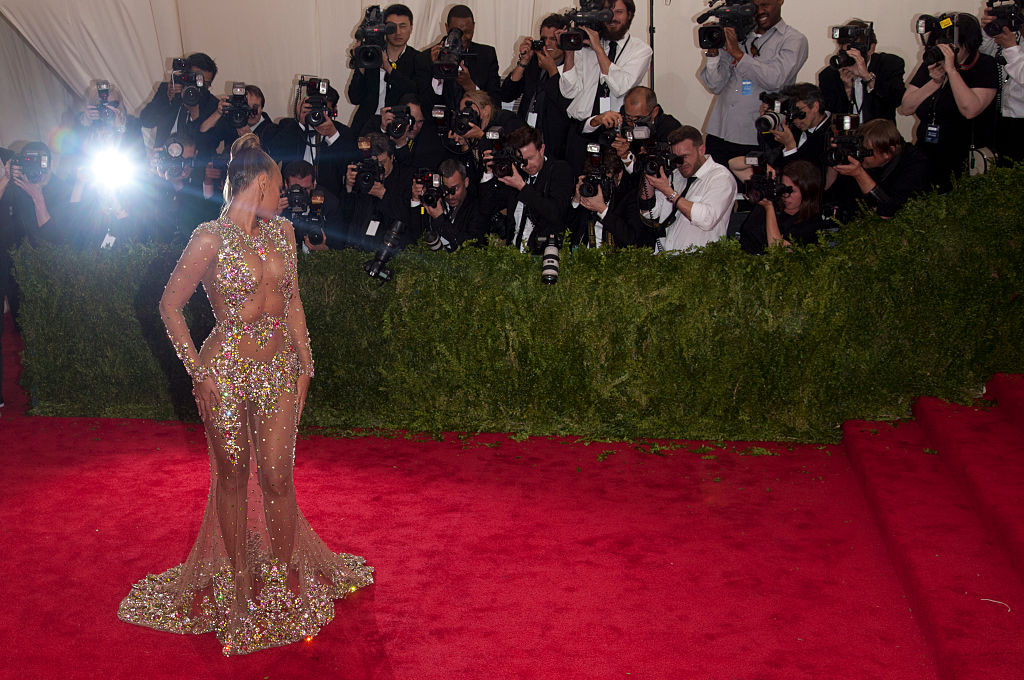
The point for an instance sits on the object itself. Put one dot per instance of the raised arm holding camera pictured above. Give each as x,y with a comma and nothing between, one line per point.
807,137
952,94
764,55
790,215
457,65
183,102
860,80
605,204
376,195
452,210
1002,22
237,115
384,65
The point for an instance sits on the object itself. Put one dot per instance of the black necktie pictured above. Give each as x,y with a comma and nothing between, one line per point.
530,181
689,183
602,88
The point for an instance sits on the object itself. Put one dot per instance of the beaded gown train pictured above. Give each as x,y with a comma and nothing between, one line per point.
257,576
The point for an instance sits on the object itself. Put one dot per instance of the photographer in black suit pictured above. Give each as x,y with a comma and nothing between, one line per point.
418,145
455,218
397,73
534,82
218,129
534,199
640,108
330,232
808,137
168,113
376,194
612,220
477,71
871,86
469,146
328,147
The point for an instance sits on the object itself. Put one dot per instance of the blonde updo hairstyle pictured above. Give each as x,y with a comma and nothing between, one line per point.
248,161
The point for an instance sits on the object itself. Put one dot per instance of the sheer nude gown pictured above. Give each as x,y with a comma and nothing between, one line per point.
258,575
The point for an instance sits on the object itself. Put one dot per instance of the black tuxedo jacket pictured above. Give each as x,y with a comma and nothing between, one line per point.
881,102
364,87
482,62
468,225
622,225
222,131
359,210
289,144
814,147
160,113
538,87
547,202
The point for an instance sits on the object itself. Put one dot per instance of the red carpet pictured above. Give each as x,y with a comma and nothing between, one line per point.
495,559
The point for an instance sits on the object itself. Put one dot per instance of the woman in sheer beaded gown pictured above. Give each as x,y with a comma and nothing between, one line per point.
257,576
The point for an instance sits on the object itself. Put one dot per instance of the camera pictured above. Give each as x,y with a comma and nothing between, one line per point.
465,119
433,190
595,176
537,45
442,117
238,109
306,212
656,156
846,143
941,30
372,36
503,159
377,267
32,164
1007,14
855,37
171,161
591,14
762,186
401,124
549,264
106,110
739,15
191,82
451,55
316,96
368,170
781,109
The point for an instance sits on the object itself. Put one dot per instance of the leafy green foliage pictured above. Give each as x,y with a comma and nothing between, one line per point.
626,345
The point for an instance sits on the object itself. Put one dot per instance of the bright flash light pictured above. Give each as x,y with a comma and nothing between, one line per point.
112,169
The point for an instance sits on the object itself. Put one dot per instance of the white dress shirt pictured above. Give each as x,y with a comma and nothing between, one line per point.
1013,87
580,82
712,193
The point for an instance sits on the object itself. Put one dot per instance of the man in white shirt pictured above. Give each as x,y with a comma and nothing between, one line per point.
695,203
1009,138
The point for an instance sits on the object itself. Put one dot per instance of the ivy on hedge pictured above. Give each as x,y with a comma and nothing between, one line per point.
716,344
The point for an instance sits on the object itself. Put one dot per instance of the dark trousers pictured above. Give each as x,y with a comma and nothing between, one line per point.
723,150
1009,140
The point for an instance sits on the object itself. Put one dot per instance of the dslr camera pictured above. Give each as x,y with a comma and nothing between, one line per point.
442,117
32,164
372,36
934,31
191,82
106,110
537,45
781,109
739,15
401,124
171,160
465,119
368,170
591,14
655,156
450,57
1007,14
238,109
433,188
306,212
503,159
316,96
846,143
761,185
856,37
595,175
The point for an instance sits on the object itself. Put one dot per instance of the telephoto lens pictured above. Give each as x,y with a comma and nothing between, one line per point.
549,261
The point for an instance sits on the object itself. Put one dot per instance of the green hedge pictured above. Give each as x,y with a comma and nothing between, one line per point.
716,344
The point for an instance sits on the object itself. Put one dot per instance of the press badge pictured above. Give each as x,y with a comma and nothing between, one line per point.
931,134
108,241
531,117
371,230
747,87
605,94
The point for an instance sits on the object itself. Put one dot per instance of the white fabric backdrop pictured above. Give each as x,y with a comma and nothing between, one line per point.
269,42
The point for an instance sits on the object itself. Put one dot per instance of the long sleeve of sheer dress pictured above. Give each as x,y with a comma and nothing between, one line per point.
195,261
297,315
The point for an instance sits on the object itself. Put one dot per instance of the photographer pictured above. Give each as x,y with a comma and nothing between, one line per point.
216,128
800,207
318,225
412,133
168,112
767,60
455,218
885,180
477,70
1008,141
372,89
609,218
534,81
693,204
640,109
328,145
954,100
534,197
171,203
872,85
808,137
479,106
377,194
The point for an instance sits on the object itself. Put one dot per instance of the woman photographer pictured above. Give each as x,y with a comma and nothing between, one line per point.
954,101
800,218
